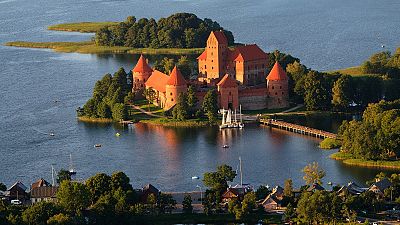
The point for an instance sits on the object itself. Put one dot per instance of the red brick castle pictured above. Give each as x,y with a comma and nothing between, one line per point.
239,74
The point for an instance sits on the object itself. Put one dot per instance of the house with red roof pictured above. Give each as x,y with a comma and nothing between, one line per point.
239,74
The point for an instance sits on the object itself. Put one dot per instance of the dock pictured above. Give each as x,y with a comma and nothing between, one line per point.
298,128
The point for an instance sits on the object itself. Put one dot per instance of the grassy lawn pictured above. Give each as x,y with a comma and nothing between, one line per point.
349,160
89,47
83,27
167,122
94,120
352,71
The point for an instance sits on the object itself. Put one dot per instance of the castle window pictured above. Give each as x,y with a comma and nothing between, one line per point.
212,60
272,87
170,93
280,87
205,66
276,93
172,99
212,67
282,92
230,93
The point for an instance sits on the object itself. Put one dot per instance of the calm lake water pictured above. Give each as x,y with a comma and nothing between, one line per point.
325,34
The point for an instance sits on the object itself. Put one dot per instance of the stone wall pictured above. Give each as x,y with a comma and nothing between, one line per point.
253,102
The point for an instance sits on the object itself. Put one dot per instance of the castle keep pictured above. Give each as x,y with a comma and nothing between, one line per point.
238,74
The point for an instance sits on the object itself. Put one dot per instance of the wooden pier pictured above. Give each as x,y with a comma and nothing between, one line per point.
297,128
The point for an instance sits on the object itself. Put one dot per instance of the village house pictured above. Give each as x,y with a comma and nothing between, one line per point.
233,194
239,75
146,191
315,187
41,190
380,186
274,200
17,192
351,188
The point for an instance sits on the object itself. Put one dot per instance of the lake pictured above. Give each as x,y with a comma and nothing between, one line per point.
41,89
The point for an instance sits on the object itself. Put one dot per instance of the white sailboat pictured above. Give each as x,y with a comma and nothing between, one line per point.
241,124
228,121
71,167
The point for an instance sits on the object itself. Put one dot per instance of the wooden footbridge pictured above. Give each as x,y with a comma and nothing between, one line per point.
297,128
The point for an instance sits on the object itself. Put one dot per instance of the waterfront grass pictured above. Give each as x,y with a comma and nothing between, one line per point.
330,143
349,160
94,120
355,71
89,47
82,27
168,122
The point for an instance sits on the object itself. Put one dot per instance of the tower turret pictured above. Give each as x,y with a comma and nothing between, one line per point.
176,85
141,74
277,86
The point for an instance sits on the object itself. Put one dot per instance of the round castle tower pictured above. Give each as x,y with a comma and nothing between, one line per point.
176,85
277,86
141,73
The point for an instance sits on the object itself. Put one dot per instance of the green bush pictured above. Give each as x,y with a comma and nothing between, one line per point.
330,143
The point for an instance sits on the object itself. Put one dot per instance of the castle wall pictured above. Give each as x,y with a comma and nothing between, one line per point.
172,94
228,98
253,99
139,80
278,94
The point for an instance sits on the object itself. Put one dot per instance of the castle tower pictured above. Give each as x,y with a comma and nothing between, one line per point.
277,86
213,61
141,74
176,85
228,93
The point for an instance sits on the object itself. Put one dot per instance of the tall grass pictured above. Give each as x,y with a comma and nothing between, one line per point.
83,27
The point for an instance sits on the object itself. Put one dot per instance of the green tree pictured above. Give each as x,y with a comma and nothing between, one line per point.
98,185
166,203
185,66
262,192
313,173
192,101
73,197
316,96
60,219
180,111
187,204
119,112
249,203
39,213
218,181
120,180
104,211
210,105
288,188
3,187
290,212
343,92
150,95
103,110
63,175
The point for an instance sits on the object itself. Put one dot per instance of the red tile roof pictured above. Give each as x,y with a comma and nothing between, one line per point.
40,183
203,55
220,36
277,73
43,192
157,81
247,53
142,66
227,82
176,78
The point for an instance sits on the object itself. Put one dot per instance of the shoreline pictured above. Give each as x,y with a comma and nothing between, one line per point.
94,120
346,159
89,47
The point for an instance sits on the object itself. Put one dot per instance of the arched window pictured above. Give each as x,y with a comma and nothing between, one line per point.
272,87
172,99
280,87
276,93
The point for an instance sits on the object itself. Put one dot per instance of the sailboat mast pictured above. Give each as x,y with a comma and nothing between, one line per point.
235,117
241,173
240,112
223,116
52,175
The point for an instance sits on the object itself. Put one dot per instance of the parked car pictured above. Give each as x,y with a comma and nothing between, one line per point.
16,202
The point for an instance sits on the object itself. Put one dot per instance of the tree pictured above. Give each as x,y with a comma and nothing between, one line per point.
39,213
313,173
180,111
288,188
149,94
3,187
73,197
63,175
98,185
192,101
262,192
166,203
119,112
184,65
210,105
218,181
343,92
187,204
60,219
249,203
103,110
120,180
316,96
290,212
104,211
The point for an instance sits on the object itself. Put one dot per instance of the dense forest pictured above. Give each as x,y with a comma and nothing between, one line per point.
377,136
109,95
180,30
339,92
